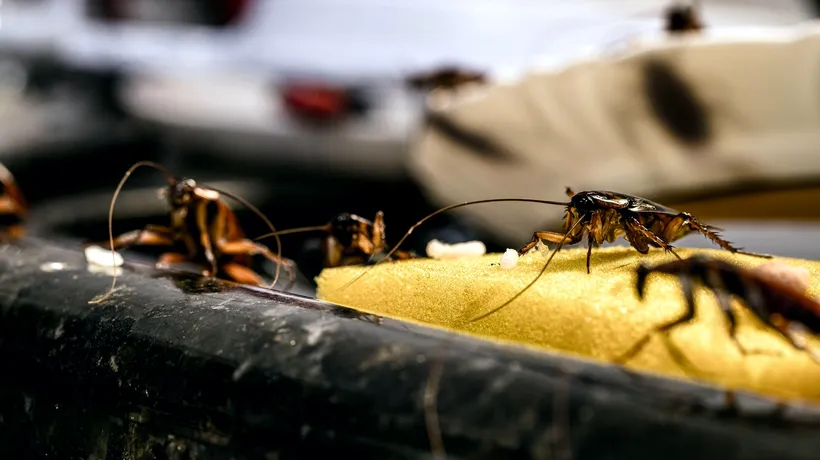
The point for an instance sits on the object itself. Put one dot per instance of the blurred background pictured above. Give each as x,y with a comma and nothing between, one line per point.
306,109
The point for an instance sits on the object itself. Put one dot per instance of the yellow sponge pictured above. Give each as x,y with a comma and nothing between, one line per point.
595,315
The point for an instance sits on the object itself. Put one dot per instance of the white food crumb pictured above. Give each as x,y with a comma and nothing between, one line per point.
509,259
438,250
797,277
96,255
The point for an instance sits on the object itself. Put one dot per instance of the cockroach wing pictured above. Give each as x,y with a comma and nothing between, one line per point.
631,202
638,204
588,123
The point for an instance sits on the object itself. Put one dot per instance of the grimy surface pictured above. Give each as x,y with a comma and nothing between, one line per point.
595,315
174,367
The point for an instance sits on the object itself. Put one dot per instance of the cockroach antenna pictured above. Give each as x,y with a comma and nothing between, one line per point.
171,179
543,270
445,209
314,228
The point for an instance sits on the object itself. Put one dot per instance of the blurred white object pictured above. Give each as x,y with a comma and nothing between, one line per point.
30,28
438,250
588,125
96,255
241,75
509,259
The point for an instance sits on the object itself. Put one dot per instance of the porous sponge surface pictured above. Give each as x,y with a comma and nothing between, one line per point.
595,315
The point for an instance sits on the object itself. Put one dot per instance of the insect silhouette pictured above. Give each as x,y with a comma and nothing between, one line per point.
603,216
781,307
675,103
447,77
205,230
350,239
13,207
683,19
673,100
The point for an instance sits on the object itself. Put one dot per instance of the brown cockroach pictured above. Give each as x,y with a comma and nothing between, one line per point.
13,207
603,216
350,239
446,77
780,306
208,230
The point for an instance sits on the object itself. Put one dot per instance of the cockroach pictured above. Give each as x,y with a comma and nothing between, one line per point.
350,239
682,19
782,307
13,207
208,230
447,77
603,216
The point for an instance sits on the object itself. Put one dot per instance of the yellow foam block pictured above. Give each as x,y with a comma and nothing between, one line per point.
597,315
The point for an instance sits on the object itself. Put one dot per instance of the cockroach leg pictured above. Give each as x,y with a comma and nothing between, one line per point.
168,259
242,274
147,236
680,359
708,231
204,236
248,247
638,242
665,329
595,234
379,231
12,232
9,206
641,231
793,333
333,252
725,306
552,237
568,190
364,244
688,315
724,303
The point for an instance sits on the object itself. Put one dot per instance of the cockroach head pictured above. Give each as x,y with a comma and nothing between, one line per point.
583,203
182,192
343,226
680,18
